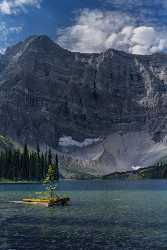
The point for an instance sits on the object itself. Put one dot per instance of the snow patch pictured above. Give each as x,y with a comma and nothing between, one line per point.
136,167
114,153
68,141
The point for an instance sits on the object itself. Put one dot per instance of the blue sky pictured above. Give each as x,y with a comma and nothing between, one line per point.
135,26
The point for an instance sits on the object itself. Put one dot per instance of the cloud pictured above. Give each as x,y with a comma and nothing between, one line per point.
144,36
5,33
9,7
96,31
145,11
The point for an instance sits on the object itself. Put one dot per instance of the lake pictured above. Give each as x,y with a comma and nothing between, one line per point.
103,215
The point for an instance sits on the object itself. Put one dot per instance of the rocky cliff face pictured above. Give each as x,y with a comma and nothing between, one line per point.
85,105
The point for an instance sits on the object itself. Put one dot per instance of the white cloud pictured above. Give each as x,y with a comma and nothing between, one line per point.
139,49
96,31
5,33
9,7
144,35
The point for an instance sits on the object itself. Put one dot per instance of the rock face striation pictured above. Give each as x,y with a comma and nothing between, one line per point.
104,112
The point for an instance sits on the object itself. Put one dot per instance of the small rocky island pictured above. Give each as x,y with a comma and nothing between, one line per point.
49,198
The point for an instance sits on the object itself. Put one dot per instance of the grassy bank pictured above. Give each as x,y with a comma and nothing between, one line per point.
7,181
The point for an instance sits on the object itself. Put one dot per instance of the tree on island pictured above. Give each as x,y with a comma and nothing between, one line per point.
52,178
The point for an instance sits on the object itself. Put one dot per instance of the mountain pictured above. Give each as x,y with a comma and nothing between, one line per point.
103,113
6,143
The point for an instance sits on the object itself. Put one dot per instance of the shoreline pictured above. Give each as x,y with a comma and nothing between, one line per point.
153,172
19,182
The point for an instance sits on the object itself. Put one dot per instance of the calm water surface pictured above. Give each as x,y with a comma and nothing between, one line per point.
103,215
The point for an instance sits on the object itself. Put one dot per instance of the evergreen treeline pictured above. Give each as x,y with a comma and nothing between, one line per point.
157,171
26,165
160,170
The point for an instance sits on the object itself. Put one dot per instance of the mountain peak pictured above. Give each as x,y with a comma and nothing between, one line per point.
39,40
33,43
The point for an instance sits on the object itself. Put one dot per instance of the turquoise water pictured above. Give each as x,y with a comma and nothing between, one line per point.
103,215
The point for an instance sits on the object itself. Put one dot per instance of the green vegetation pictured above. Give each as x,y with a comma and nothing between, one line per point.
49,197
26,165
158,171
51,177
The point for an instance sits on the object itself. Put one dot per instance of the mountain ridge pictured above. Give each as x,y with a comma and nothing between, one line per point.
45,38
49,94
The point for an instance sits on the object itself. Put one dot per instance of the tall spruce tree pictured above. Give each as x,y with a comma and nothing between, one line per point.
56,167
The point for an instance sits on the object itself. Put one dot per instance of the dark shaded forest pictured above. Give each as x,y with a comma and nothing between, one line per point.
17,165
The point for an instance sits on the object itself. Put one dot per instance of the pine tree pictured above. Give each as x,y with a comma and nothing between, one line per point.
26,162
50,182
50,157
56,168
